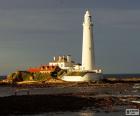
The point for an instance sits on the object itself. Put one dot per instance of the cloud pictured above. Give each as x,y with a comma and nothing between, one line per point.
33,31
119,18
117,39
57,4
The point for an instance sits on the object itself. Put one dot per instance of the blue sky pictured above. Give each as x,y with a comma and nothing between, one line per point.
33,31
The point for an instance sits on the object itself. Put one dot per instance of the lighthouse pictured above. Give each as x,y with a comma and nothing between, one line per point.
87,71
88,60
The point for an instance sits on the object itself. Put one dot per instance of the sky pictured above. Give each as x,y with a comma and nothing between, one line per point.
32,32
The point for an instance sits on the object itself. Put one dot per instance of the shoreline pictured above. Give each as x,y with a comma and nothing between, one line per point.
68,96
65,84
34,104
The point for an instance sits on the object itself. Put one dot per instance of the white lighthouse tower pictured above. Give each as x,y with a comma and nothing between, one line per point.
88,71
88,46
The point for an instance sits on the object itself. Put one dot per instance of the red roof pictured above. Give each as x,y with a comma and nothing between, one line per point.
34,70
43,68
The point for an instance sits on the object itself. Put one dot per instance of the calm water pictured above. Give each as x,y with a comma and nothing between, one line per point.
2,77
121,75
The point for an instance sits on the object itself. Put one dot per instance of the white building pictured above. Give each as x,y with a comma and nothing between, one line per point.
64,62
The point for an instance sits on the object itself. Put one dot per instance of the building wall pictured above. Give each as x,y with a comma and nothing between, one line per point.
63,65
85,78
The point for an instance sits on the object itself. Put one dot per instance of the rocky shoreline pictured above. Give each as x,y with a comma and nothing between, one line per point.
33,104
100,97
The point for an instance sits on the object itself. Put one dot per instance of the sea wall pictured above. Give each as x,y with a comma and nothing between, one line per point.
87,77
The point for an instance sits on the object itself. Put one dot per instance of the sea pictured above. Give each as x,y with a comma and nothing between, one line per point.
2,77
90,111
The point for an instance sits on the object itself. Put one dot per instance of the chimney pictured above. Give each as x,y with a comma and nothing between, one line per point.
68,58
59,58
54,58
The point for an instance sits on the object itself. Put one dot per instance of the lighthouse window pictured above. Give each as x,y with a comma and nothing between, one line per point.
90,18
